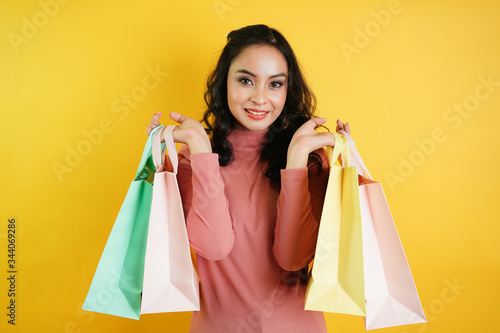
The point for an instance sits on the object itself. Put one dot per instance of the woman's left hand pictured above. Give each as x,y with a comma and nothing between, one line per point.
306,140
341,126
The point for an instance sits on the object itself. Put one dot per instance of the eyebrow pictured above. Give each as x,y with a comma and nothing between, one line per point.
244,71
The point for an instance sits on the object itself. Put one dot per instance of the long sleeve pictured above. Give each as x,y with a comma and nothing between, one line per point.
231,215
206,210
299,211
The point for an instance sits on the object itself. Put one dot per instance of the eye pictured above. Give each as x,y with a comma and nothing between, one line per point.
276,84
245,80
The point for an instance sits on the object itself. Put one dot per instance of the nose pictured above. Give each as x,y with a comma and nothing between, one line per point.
259,95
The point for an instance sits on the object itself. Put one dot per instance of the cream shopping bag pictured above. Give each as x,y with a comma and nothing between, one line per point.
170,280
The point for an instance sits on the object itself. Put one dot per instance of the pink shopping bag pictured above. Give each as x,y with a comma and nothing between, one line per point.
390,292
170,280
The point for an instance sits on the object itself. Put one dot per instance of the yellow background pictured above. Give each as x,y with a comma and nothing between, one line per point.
397,85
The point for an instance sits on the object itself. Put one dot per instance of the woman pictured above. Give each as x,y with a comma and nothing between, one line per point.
253,188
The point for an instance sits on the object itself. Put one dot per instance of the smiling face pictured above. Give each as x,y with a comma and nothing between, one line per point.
256,87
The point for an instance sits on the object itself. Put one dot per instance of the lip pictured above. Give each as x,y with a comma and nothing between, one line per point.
256,114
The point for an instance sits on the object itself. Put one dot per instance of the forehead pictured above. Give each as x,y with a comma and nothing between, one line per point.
260,60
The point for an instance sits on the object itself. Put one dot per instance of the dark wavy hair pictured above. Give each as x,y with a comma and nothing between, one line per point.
299,107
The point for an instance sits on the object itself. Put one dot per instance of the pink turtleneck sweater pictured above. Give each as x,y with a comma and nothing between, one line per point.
248,236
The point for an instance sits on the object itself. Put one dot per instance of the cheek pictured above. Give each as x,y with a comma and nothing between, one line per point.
279,100
235,95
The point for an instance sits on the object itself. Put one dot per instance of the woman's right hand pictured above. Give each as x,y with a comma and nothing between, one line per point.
192,133
189,131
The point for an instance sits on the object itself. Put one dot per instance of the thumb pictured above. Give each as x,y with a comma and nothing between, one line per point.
177,117
317,121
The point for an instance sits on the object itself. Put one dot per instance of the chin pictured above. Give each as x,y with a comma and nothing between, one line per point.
252,127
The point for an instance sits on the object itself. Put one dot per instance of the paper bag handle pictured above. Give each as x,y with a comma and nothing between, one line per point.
171,150
357,158
146,154
340,149
158,155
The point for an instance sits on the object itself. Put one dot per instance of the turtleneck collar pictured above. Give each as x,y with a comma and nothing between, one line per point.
240,138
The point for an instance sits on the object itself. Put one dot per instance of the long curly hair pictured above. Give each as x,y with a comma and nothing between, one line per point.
300,104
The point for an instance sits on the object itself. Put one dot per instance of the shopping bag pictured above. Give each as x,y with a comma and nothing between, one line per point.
336,280
117,284
170,280
391,295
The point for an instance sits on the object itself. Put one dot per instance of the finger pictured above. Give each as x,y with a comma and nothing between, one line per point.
347,128
177,117
340,125
155,120
324,139
317,121
149,129
329,139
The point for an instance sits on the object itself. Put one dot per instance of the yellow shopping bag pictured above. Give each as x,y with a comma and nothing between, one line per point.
336,283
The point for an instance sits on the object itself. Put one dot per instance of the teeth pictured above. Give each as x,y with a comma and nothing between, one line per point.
256,113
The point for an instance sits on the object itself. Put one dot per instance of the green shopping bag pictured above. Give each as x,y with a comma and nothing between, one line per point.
117,284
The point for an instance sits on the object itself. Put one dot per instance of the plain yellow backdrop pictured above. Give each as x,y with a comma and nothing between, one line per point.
418,80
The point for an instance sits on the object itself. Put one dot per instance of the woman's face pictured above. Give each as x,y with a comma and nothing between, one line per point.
256,87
